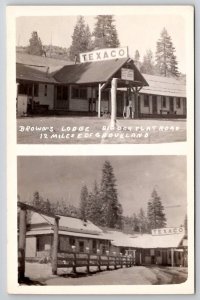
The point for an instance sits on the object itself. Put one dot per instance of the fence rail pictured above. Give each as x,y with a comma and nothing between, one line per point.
74,260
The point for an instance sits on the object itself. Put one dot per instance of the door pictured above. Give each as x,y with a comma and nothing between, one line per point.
62,97
171,105
154,105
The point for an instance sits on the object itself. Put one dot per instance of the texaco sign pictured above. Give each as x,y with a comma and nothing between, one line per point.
168,230
104,54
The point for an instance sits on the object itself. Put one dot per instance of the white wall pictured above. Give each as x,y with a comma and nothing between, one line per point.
30,247
78,105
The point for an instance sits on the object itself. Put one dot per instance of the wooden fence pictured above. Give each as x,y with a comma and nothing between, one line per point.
74,260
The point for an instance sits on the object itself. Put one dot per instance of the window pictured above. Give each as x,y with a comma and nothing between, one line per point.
164,101
79,93
103,249
81,247
43,243
72,242
36,89
83,93
147,252
45,90
94,246
146,101
178,102
27,89
22,89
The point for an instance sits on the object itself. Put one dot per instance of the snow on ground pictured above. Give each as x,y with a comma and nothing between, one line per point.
137,275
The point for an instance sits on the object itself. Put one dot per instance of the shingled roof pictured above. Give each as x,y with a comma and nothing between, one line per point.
164,86
95,72
34,73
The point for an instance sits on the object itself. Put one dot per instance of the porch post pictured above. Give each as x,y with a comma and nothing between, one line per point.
22,244
136,104
32,96
54,259
99,102
172,257
113,102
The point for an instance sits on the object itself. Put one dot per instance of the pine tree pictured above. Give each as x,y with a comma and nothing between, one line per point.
94,206
155,212
166,62
81,39
83,202
135,223
35,44
105,32
111,209
147,66
142,221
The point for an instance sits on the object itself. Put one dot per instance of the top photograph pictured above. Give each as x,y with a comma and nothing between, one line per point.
101,79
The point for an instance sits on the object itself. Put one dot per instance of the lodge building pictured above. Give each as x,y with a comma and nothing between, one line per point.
74,235
51,86
84,237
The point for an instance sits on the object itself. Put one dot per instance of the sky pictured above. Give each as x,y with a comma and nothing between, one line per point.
136,32
61,178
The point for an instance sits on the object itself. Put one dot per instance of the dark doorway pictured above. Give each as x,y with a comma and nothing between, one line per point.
62,97
154,105
171,104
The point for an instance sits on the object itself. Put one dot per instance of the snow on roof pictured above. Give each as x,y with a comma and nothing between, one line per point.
145,241
48,231
164,86
67,223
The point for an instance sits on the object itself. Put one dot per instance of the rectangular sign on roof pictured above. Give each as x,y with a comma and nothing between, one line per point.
168,230
104,54
127,74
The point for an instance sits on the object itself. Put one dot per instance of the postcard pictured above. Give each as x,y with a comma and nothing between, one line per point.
100,109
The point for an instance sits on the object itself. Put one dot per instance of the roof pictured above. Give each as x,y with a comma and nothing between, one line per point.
35,60
164,86
94,72
145,241
33,73
67,223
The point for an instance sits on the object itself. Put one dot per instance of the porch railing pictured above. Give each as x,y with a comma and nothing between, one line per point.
74,260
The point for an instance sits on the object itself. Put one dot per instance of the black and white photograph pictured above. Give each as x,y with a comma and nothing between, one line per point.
110,79
102,220
100,150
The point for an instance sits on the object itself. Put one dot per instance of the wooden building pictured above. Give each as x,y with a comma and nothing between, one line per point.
163,98
73,89
52,86
149,249
74,235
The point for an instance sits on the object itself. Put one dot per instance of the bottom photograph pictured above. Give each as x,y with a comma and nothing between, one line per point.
102,220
